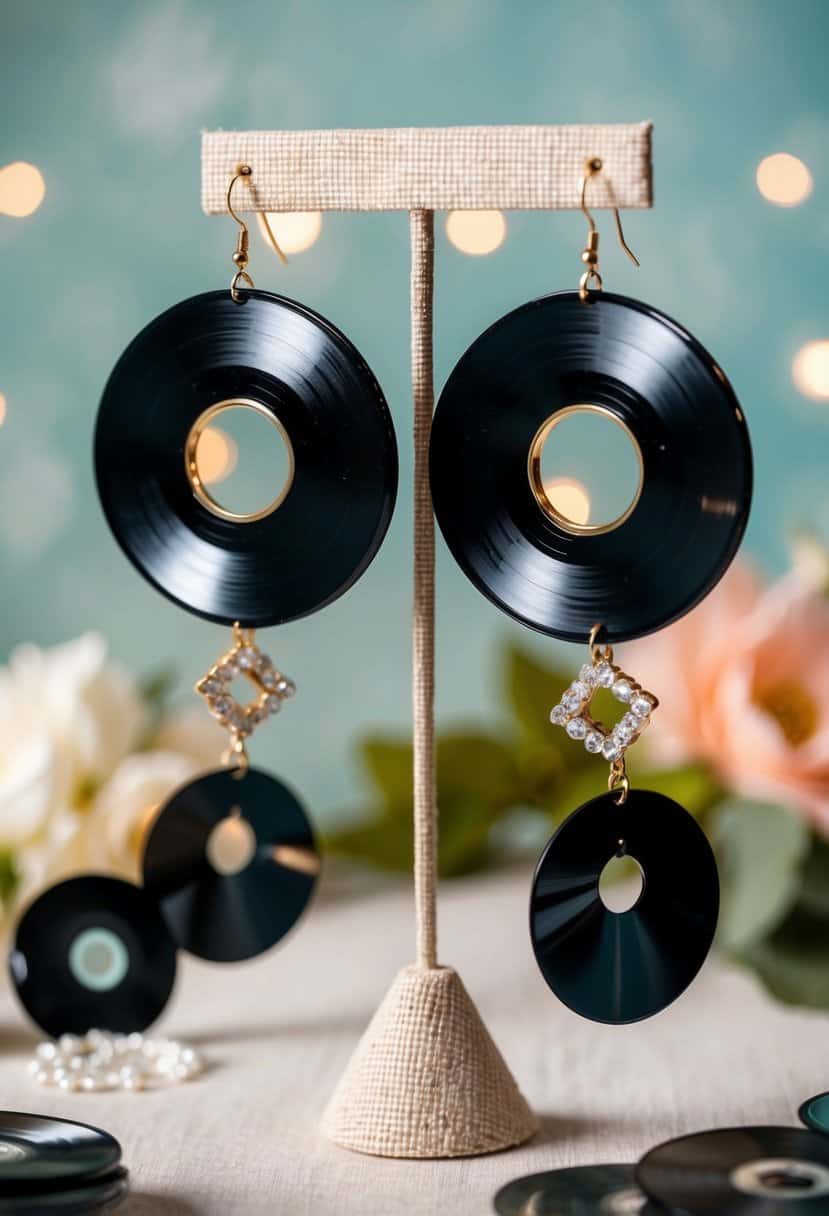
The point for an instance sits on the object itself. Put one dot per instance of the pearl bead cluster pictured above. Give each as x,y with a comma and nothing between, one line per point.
245,659
572,711
100,1061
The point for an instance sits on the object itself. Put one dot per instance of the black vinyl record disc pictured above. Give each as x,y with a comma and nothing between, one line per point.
296,367
93,952
232,864
814,1113
621,967
102,1194
741,1171
39,1151
584,1190
622,358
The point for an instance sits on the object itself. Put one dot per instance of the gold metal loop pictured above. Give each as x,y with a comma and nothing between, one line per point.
191,462
241,276
590,280
243,636
618,781
597,652
236,756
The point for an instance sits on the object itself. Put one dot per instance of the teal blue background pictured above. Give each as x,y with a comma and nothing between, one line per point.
108,99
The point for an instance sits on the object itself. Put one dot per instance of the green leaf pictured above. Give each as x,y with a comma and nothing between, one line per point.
793,962
157,688
761,849
691,785
477,780
814,885
532,689
389,766
10,876
384,840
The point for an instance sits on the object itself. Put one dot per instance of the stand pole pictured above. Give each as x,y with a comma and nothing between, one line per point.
422,227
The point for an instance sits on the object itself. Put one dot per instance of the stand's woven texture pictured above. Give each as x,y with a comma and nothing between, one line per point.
426,1080
428,168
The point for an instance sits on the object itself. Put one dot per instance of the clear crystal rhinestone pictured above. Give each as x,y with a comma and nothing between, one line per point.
627,728
575,697
264,662
611,748
269,680
246,658
220,707
285,687
210,687
558,715
605,675
593,741
641,706
273,704
587,674
622,691
576,728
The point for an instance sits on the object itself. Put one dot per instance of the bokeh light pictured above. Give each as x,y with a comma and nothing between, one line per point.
570,499
810,370
295,231
216,455
784,180
2,409
476,232
22,189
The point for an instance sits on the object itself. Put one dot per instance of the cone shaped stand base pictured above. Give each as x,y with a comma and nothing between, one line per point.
426,1079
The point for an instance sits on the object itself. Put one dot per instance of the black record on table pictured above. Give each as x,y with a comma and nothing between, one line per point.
40,1151
93,951
101,1194
619,967
741,1171
582,1190
232,864
625,359
301,371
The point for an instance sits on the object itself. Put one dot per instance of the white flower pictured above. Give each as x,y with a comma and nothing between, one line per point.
110,836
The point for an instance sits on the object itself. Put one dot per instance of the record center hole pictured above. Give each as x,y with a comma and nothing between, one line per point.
621,884
98,959
241,446
231,845
585,469
789,1177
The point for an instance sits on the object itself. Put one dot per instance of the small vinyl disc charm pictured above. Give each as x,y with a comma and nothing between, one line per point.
620,967
232,864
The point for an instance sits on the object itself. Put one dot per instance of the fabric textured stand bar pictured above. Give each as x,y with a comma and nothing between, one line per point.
428,168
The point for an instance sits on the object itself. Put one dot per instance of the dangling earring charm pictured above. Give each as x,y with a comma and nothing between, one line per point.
573,711
609,966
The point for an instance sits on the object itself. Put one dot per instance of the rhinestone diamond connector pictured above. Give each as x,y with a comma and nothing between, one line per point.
244,659
573,710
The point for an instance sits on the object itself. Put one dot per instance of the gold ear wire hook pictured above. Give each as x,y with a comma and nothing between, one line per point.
590,254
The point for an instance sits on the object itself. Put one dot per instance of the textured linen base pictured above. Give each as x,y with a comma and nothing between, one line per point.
279,1031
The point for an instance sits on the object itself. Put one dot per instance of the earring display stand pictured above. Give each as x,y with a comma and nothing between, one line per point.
426,1080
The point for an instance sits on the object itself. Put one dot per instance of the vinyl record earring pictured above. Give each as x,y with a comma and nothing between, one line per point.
588,352
231,858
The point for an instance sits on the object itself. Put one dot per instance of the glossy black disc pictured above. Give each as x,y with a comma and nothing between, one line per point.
302,370
740,1171
624,966
102,1194
814,1113
232,864
93,952
632,361
583,1190
39,1151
